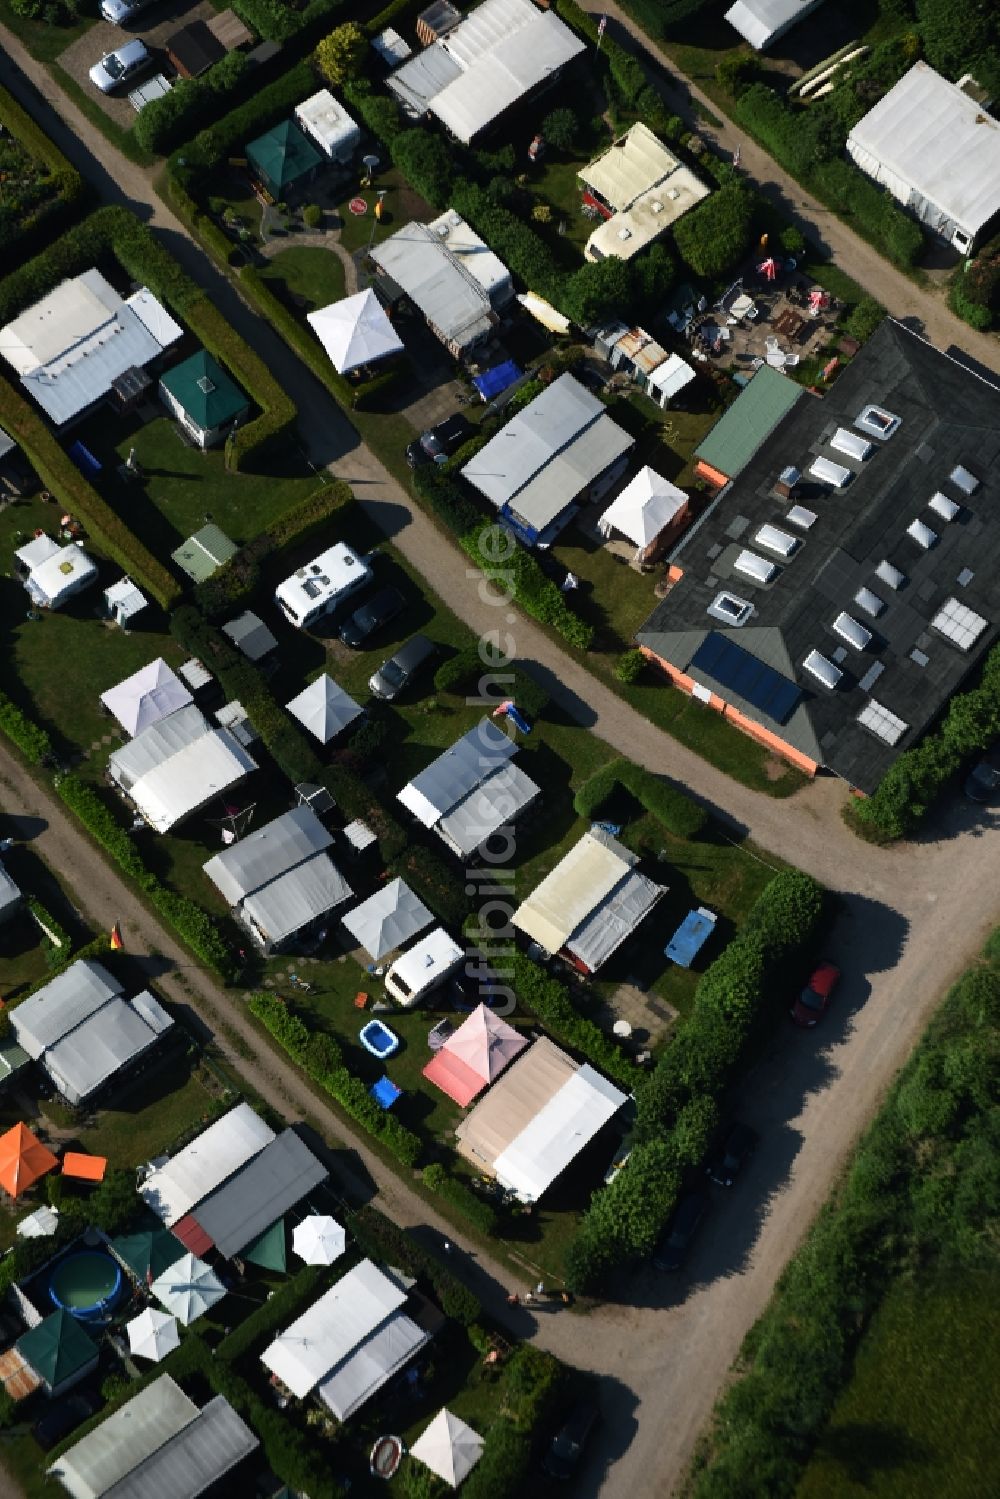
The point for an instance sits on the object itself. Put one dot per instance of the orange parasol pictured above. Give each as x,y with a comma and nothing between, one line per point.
23,1159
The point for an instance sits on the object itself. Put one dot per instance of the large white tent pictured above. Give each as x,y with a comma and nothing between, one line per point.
355,331
188,1289
324,708
211,1158
449,1447
646,506
387,919
145,697
333,1328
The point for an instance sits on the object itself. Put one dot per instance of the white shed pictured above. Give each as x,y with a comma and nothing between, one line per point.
52,573
329,126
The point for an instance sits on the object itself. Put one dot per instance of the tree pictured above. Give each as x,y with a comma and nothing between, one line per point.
341,55
597,291
714,236
560,129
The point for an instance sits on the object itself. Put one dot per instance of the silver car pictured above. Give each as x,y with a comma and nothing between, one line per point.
120,12
120,66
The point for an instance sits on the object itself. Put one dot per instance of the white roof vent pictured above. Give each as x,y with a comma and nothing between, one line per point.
877,719
959,624
624,233
869,602
848,628
921,534
758,568
877,422
963,480
850,443
673,193
822,669
656,206
829,473
941,505
801,517
730,608
890,575
776,541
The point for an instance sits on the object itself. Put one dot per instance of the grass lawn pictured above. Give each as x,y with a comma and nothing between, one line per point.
22,956
42,40
917,1420
401,206
305,276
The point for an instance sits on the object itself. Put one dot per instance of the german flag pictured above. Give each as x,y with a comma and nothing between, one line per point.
116,938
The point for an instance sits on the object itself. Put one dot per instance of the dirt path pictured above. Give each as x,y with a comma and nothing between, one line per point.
910,919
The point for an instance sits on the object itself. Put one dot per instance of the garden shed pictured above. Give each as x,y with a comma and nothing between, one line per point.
203,398
204,553
283,161
649,511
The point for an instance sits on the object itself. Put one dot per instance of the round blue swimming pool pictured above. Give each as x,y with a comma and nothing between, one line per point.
86,1285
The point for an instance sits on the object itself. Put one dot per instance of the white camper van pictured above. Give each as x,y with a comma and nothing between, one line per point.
422,967
320,586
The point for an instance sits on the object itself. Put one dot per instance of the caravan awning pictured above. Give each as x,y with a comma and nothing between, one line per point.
557,1134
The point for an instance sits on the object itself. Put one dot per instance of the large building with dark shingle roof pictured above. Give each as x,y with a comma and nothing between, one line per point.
831,612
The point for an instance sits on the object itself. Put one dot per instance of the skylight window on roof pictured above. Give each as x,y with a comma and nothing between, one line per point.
965,577
758,568
869,602
890,575
963,480
776,540
844,441
877,422
941,505
730,608
848,628
959,624
822,669
921,534
801,517
205,385
829,472
878,720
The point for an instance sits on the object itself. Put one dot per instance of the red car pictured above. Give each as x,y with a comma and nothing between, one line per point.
815,997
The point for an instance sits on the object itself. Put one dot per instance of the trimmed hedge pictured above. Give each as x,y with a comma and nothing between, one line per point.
479,1212
70,192
674,809
280,1308
56,941
464,673
193,162
381,1239
277,21
498,557
435,882
193,102
343,1086
31,739
546,997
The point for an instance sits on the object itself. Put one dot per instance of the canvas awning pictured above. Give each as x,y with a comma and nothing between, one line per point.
23,1160
324,709
567,896
474,1055
669,378
326,1334
355,332
449,1447
557,1134
387,919
371,1365
526,1086
646,506
210,1159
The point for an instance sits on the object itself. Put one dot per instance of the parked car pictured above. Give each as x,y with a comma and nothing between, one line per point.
121,65
437,444
734,1152
814,1001
566,1448
396,674
64,1416
983,781
121,12
673,1248
378,611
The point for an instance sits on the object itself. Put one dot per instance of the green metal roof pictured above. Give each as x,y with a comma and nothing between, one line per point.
283,156
205,391
57,1348
269,1249
204,552
12,1059
751,418
151,1250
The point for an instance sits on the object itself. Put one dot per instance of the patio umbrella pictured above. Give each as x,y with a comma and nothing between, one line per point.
23,1159
188,1289
39,1224
152,1334
319,1240
817,298
768,268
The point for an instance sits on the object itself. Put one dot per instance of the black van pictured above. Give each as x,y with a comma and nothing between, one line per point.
396,674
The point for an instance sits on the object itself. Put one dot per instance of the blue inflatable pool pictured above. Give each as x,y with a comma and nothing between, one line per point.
378,1039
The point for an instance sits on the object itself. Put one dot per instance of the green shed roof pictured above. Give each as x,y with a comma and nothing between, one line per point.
205,391
12,1059
57,1348
283,156
751,418
269,1249
204,552
153,1250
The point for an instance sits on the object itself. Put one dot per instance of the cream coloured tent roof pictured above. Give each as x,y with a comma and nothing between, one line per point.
449,1447
355,331
557,1133
513,1102
579,882
630,166
645,507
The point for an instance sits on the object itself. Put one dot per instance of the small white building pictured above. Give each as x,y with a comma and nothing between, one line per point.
649,511
329,126
52,572
761,22
317,588
124,601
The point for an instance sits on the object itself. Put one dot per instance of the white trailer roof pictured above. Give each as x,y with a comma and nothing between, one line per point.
262,856
557,1133
205,1164
63,1003
333,1327
322,579
425,960
475,255
763,21
328,123
588,874
190,778
62,573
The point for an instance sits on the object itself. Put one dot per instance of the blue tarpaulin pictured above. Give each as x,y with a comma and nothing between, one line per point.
497,379
693,932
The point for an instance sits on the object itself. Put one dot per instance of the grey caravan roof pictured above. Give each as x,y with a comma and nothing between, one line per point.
421,79
193,1460
156,744
287,904
486,809
448,295
259,1193
269,852
59,1006
250,634
94,1051
449,778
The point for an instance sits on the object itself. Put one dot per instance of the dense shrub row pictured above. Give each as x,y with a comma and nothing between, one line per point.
277,21
189,920
66,191
737,998
674,809
922,1190
454,1191
194,162
280,1308
293,1035
56,941
916,778
194,102
714,236
468,675
32,740
548,998
383,1240
518,573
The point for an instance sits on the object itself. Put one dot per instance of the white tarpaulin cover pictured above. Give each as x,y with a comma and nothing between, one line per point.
368,1367
190,778
449,1448
668,378
579,882
763,21
145,697
387,919
645,507
355,332
157,743
557,1134
486,809
62,1004
613,920
188,1289
333,1327
324,709
210,1159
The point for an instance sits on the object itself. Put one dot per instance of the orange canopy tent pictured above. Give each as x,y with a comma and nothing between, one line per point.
23,1159
85,1168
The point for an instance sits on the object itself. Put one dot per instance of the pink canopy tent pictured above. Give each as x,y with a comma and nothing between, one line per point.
476,1054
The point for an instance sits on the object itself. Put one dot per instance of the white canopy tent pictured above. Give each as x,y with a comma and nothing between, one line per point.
152,1334
324,709
210,1159
387,919
355,331
39,1224
188,1289
646,506
145,697
449,1447
668,379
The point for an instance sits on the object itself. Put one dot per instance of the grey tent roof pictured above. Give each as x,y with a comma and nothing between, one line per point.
614,920
371,1365
285,905
90,1054
10,894
324,708
269,1185
62,1004
152,747
250,634
387,919
194,1459
488,807
436,281
268,853
449,778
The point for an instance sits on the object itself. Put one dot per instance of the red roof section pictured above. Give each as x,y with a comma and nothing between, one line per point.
192,1235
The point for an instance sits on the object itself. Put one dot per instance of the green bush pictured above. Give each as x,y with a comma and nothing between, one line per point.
715,235
445,498
32,740
631,666
65,191
674,809
454,1191
381,1239
56,941
194,161
312,215
280,1308
560,129
194,102
864,319
520,572
277,21
548,999
426,163
466,674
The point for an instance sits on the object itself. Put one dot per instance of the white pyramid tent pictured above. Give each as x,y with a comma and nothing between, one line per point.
324,709
355,331
146,696
645,506
387,919
449,1448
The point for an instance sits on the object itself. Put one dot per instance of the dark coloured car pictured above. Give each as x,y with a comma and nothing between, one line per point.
566,1449
440,442
371,617
983,781
676,1243
396,674
733,1154
814,1001
62,1417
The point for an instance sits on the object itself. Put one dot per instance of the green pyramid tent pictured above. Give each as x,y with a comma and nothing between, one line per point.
283,159
58,1350
269,1250
151,1250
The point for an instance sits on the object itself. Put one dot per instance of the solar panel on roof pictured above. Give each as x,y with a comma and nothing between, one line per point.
759,684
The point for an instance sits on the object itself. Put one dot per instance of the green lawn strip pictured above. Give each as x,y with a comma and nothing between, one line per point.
306,274
44,41
122,140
